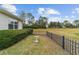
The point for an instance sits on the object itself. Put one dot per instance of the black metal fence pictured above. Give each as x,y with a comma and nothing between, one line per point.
66,43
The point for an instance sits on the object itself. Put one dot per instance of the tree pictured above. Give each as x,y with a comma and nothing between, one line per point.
22,15
76,23
30,18
27,17
55,25
67,24
59,25
51,25
42,22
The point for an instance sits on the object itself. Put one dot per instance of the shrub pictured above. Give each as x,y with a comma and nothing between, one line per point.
10,37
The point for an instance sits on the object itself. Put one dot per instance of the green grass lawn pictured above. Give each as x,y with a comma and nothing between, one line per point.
28,47
72,33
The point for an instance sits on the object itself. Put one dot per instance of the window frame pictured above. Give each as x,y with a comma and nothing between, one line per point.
13,24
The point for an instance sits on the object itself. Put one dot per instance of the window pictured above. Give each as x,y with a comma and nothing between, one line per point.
16,23
16,26
10,26
13,25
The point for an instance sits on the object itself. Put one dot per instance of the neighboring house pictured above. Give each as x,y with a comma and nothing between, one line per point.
9,21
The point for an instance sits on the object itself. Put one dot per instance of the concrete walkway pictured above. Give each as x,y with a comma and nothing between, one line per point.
56,49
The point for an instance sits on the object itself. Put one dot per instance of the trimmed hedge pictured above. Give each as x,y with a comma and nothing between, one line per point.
10,37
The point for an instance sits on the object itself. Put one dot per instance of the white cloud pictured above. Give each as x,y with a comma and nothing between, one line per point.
61,19
55,19
72,16
76,10
47,11
10,8
66,16
73,12
69,18
52,11
41,10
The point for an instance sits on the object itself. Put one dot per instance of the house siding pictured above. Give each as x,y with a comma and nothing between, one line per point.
5,20
20,25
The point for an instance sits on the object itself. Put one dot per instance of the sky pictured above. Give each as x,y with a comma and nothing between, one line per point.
54,12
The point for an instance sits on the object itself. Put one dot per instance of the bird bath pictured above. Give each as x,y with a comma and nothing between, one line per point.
36,40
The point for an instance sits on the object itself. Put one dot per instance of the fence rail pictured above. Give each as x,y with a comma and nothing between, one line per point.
69,45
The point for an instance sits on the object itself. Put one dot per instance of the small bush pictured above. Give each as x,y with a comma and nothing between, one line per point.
10,37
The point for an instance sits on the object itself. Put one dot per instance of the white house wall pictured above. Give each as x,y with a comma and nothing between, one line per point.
5,20
20,25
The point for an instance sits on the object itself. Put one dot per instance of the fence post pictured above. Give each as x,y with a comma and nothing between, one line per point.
70,47
78,48
63,42
51,35
75,47
46,33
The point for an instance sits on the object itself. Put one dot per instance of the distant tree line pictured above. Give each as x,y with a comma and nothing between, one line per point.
64,24
42,22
